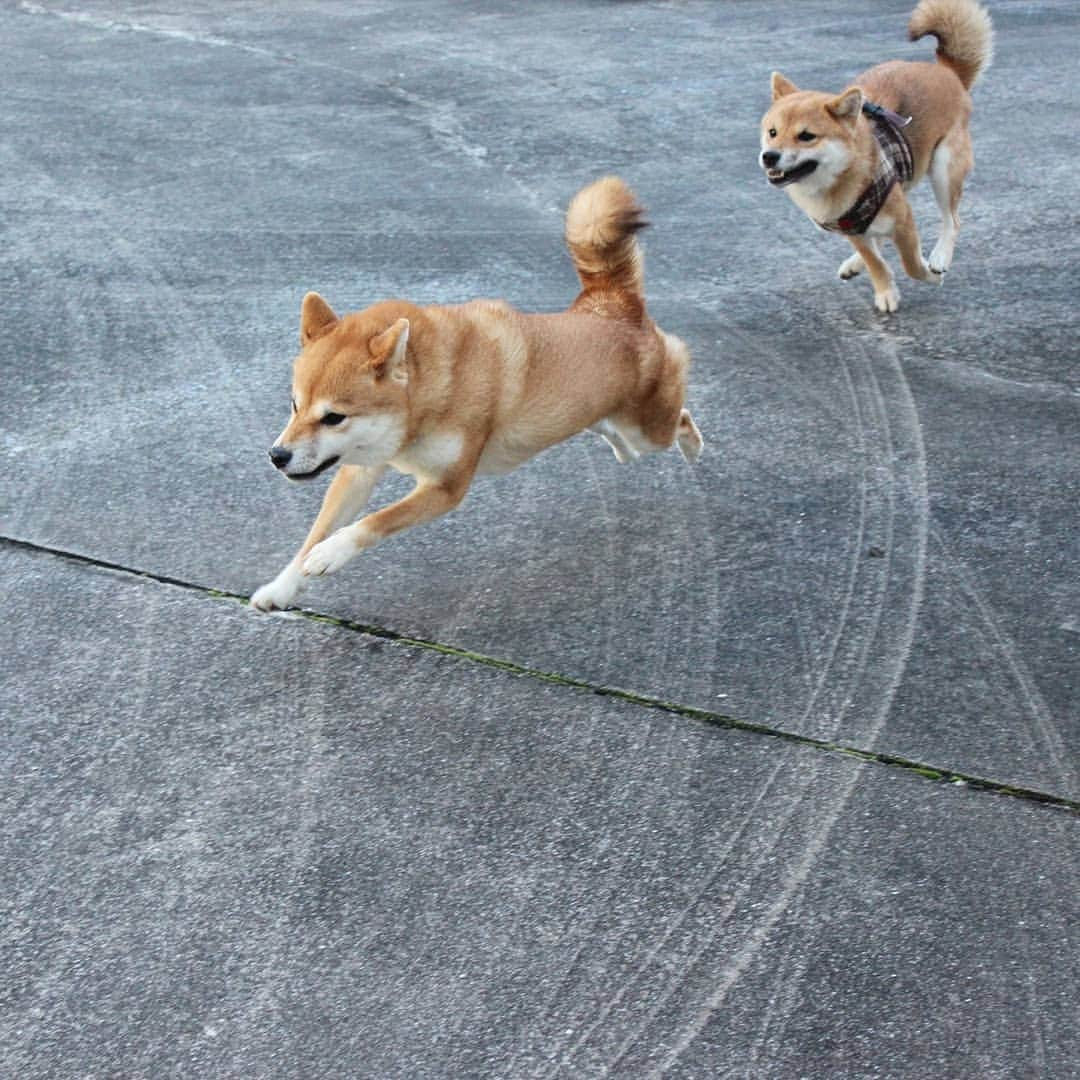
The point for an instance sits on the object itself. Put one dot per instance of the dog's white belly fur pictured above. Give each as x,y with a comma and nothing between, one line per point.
431,455
434,455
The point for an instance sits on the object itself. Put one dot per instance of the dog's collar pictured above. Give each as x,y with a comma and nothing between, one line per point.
895,163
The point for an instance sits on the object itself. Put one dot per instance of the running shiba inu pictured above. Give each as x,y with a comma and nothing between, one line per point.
444,393
847,160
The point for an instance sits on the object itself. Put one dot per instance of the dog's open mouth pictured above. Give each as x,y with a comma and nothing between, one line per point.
779,178
329,463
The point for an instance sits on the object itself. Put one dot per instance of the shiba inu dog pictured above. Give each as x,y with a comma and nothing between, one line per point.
444,393
847,159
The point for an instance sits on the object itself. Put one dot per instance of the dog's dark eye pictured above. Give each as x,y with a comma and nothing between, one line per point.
772,133
332,418
806,136
292,402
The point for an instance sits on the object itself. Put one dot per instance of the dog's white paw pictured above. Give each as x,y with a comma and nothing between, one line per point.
930,275
332,554
278,594
851,266
691,449
941,258
887,301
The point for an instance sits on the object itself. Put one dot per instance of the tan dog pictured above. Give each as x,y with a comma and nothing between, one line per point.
444,393
845,163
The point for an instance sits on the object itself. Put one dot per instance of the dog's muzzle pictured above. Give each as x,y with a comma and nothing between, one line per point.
282,455
329,463
780,178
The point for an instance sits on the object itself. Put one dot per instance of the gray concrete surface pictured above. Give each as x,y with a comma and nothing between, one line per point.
241,846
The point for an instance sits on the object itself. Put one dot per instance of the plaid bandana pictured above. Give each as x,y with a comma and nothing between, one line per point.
895,164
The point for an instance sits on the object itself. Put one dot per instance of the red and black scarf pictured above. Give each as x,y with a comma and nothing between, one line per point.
895,164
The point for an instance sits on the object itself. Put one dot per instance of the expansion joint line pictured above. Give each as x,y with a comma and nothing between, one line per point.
705,716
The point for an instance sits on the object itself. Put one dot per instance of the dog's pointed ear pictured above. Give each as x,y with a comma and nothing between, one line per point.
317,318
781,87
388,351
848,105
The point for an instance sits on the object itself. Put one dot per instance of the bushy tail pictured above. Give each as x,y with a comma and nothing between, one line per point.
964,32
601,223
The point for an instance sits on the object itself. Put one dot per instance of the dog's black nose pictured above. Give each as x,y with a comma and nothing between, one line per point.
280,456
769,159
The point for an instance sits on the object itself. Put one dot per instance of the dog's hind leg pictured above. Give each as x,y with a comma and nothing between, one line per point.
346,496
689,438
906,238
624,452
651,434
949,166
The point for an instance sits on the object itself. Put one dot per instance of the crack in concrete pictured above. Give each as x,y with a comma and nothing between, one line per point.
690,712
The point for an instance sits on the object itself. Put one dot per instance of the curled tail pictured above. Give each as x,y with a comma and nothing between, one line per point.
964,32
601,225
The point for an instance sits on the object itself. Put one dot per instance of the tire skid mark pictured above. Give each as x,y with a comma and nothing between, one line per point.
738,960
784,999
547,1014
707,604
279,934
541,1056
565,1054
807,652
534,1046
1046,731
748,879
857,544
901,425
664,643
1035,1012
878,621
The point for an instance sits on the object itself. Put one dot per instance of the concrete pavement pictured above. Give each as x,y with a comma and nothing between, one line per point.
241,845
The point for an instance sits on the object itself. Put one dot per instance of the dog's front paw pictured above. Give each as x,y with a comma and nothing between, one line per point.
332,554
930,274
851,266
887,301
278,594
940,258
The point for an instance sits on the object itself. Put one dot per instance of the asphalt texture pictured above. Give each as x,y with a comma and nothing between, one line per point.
768,767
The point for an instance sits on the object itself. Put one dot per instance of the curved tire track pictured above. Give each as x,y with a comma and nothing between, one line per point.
642,1026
